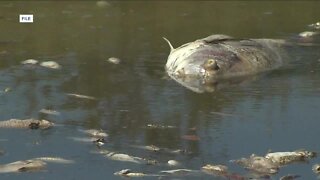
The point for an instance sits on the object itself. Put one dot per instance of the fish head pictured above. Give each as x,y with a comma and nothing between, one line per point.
199,59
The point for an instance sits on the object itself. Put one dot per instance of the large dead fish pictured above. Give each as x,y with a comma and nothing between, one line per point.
221,56
26,123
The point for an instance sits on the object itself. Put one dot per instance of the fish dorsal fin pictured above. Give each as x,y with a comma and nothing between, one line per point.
171,47
216,37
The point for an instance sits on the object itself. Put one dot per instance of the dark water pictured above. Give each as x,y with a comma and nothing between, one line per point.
278,110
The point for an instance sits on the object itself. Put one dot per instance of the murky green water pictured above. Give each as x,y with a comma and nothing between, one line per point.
278,110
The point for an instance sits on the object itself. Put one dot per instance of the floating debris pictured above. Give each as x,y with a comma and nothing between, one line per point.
173,163
191,137
81,96
283,158
180,171
307,34
30,62
50,64
99,141
23,166
50,112
129,173
316,168
7,89
114,60
290,177
215,169
258,164
95,133
26,123
156,126
55,160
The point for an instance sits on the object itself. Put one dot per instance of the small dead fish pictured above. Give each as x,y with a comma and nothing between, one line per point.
23,166
95,133
258,164
55,160
114,60
51,112
129,173
173,163
26,123
215,169
315,25
50,64
180,171
316,168
149,148
102,4
81,96
307,34
86,140
290,177
283,158
30,62
125,157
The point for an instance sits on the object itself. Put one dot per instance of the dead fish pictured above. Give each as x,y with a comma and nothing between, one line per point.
30,62
50,64
129,173
173,163
85,140
22,166
283,158
50,112
215,169
258,164
55,160
102,4
114,60
95,133
149,148
26,123
315,25
125,157
81,96
307,34
316,168
180,171
289,177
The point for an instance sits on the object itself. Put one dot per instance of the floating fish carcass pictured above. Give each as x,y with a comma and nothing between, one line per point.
180,172
114,60
54,160
50,112
129,173
22,166
80,96
26,123
290,177
30,62
220,56
50,65
283,158
215,169
95,133
316,168
258,164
